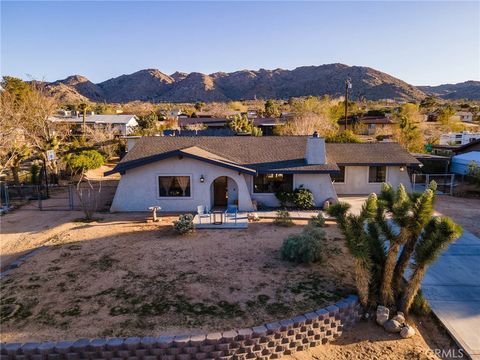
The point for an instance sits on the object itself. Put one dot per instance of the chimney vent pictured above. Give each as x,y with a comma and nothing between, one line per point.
315,151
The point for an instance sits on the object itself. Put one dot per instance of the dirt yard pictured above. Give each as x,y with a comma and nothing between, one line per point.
464,211
121,276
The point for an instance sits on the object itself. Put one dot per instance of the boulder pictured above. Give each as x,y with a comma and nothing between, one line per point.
382,315
407,332
399,317
392,326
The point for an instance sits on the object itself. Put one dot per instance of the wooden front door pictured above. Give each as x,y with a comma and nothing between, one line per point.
220,191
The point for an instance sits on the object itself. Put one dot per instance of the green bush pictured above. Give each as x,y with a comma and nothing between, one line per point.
283,218
303,199
317,221
420,305
306,247
184,224
284,197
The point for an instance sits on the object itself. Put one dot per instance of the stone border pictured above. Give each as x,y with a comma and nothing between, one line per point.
269,341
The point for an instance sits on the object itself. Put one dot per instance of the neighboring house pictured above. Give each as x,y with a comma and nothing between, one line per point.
179,173
449,150
266,124
368,125
465,116
458,138
123,124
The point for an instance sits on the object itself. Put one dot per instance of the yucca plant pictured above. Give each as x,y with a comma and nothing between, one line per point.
398,205
437,235
421,213
359,241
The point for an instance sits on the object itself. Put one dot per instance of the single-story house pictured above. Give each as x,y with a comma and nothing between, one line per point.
180,173
369,125
123,124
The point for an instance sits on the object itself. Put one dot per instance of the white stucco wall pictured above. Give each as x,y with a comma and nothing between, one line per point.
319,184
138,187
356,180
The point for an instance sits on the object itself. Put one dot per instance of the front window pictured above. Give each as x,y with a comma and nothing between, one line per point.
174,186
377,174
340,176
271,183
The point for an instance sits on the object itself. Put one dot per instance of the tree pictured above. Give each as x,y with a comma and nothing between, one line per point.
407,133
343,137
308,123
399,219
438,234
241,124
18,155
271,109
79,164
83,107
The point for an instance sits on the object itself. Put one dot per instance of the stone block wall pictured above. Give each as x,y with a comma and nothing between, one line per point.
269,341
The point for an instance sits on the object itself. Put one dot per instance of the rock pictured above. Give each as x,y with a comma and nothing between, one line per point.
407,332
399,317
392,326
382,314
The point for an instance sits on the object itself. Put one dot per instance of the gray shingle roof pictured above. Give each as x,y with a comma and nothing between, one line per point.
267,153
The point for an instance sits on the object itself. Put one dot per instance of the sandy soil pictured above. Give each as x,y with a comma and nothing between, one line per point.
464,211
122,276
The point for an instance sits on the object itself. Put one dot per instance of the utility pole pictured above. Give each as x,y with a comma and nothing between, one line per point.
348,85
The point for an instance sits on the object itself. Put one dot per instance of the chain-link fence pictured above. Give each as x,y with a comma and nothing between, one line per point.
58,197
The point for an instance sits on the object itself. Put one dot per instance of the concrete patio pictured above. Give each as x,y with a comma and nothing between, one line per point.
227,223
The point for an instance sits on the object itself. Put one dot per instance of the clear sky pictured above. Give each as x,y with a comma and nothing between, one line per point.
423,43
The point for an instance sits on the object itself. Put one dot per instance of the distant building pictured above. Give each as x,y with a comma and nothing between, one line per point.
458,138
368,125
123,124
465,116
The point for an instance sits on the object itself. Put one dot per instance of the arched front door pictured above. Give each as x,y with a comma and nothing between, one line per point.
224,191
220,191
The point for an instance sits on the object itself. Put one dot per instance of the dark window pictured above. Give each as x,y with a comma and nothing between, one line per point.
271,183
174,186
340,176
377,174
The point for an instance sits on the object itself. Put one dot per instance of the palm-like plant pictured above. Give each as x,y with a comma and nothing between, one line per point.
421,213
437,235
359,241
398,204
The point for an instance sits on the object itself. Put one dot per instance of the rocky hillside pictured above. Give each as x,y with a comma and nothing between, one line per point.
466,90
153,85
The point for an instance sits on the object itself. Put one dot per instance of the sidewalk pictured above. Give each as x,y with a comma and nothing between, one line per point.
452,288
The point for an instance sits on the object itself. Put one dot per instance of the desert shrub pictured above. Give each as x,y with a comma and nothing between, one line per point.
317,221
184,224
283,218
306,247
284,197
420,305
303,199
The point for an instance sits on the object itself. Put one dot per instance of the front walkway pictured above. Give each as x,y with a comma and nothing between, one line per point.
227,223
452,288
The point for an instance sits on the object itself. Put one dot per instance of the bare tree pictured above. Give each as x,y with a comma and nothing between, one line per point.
309,122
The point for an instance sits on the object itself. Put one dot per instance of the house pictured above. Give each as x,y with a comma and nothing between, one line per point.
449,150
267,125
368,125
180,173
458,138
123,124
465,116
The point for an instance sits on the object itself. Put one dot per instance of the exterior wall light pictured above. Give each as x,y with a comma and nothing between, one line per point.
202,179
402,168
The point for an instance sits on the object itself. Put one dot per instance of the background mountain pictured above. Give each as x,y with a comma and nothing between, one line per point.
465,90
153,85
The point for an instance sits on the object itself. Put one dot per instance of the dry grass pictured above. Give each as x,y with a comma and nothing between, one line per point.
119,277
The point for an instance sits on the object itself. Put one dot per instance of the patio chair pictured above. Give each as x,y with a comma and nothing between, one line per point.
202,212
231,212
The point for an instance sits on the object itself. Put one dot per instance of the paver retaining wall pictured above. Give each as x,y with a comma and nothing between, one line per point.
269,341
